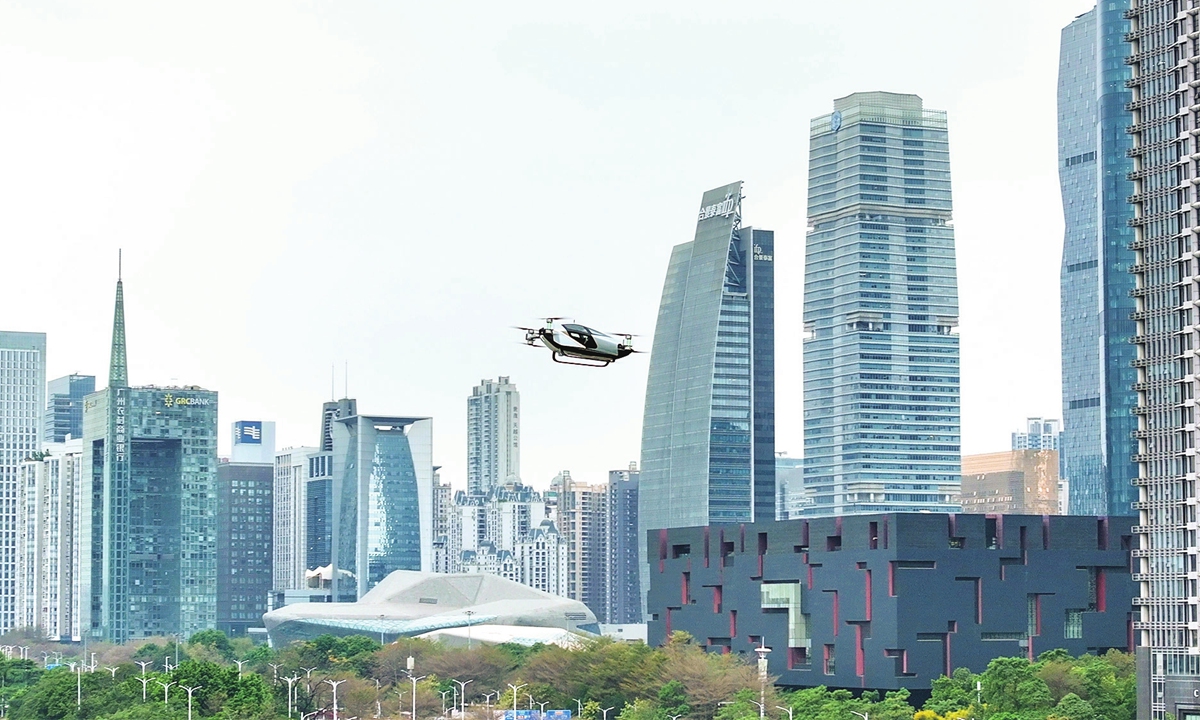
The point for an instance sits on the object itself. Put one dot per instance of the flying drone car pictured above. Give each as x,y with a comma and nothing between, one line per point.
574,344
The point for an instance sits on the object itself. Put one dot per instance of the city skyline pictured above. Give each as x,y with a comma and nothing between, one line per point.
301,232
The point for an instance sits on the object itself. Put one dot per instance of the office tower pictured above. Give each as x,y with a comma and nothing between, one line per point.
289,499
22,384
330,412
382,499
792,497
64,406
245,527
318,511
623,603
708,447
47,580
1014,482
1095,284
881,351
493,435
583,521
1164,59
148,539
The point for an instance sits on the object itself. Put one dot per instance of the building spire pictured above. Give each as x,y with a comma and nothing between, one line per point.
118,371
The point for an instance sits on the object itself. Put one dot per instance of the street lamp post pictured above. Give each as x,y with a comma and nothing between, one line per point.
275,668
240,663
410,666
861,715
291,681
579,703
112,670
605,711
143,679
469,613
487,703
307,678
542,708
462,695
787,710
762,651
334,684
79,687
444,694
515,688
190,690
166,686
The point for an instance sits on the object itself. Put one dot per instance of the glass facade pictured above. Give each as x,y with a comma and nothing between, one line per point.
382,497
64,406
245,496
150,455
1097,305
881,351
708,435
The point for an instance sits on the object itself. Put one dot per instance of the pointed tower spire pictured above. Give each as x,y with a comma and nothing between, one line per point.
118,372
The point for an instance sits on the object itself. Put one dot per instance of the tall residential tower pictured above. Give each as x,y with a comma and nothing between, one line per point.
22,388
1166,112
493,435
1097,307
881,351
708,434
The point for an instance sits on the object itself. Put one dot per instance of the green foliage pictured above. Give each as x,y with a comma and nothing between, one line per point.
216,640
637,682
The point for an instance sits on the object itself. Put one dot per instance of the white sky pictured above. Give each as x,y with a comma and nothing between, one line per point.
392,185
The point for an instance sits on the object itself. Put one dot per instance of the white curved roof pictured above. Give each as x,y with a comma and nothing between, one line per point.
408,603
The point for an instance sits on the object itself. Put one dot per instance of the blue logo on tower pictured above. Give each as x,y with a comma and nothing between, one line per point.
248,432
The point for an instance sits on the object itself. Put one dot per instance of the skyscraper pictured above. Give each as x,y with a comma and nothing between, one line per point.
382,499
148,509
583,521
881,353
245,527
22,384
708,435
624,601
289,518
1164,58
47,580
64,406
493,435
1095,284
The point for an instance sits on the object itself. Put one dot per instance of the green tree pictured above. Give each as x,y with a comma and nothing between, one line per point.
216,640
1073,707
956,692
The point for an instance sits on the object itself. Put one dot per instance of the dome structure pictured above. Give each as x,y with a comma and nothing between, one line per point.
408,603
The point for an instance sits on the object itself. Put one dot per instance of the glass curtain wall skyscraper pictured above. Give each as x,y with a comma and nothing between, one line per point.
382,499
148,506
708,436
881,351
1165,58
1095,283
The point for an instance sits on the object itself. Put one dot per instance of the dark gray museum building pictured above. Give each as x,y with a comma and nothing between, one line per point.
895,600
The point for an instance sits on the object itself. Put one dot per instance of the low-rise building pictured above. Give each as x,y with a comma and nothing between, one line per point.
895,600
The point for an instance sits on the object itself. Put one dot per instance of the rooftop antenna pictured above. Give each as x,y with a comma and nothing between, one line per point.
118,264
332,381
346,380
